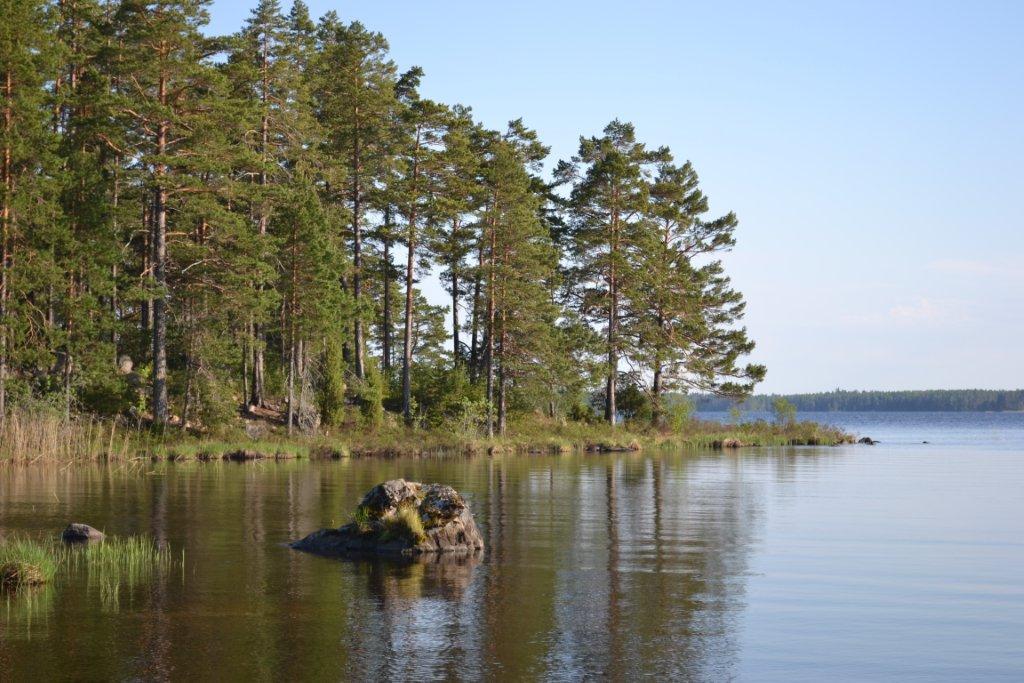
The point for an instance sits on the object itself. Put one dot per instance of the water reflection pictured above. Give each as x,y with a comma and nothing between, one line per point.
596,566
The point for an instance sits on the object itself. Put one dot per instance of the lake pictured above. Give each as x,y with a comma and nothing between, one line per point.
900,561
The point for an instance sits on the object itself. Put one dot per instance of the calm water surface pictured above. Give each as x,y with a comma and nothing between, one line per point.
901,561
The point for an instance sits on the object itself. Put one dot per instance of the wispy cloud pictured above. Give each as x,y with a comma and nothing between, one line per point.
928,310
976,268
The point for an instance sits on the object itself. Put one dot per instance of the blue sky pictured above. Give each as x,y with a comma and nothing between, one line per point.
872,151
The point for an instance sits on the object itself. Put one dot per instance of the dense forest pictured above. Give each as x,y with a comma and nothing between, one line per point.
195,226
939,399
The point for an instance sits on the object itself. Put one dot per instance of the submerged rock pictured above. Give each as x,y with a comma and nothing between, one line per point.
401,517
81,533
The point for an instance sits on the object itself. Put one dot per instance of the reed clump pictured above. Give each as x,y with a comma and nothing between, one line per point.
115,561
46,435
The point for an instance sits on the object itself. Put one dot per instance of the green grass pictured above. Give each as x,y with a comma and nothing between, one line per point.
24,563
404,524
109,564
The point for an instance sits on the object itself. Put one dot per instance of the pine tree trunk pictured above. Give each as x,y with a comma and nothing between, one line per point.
613,321
502,421
407,339
159,241
114,337
386,336
300,370
455,319
489,351
258,367
189,362
502,412
258,334
657,412
292,306
291,381
147,260
474,352
357,255
409,276
5,237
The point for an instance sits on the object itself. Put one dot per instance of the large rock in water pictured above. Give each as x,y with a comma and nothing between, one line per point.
402,517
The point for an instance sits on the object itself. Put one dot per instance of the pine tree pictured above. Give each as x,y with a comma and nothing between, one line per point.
608,206
458,195
684,310
523,259
27,186
166,97
311,255
263,76
423,122
89,250
356,93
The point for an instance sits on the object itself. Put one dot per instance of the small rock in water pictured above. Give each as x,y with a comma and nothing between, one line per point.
81,533
867,440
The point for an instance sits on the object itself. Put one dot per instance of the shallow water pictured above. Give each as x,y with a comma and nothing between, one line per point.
900,561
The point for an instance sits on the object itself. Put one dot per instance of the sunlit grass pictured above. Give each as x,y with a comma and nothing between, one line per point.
405,524
24,563
111,563
44,435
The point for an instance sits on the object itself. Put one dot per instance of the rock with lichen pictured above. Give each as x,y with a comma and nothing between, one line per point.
402,518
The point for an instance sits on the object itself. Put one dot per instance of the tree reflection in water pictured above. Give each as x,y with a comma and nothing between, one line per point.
596,566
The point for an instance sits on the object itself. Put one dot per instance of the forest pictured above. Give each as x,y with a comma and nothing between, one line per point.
199,227
936,400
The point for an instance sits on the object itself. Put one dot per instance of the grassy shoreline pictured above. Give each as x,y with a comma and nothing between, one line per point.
26,439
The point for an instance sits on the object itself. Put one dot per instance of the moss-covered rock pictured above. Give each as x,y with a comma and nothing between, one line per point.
404,518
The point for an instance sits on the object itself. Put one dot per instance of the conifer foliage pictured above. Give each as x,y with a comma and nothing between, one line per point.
192,226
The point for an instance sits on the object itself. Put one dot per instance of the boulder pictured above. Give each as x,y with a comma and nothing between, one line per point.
383,499
81,533
728,443
404,518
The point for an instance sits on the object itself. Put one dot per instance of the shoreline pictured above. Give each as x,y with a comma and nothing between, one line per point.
46,439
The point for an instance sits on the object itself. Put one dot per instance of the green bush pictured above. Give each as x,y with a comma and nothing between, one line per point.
679,414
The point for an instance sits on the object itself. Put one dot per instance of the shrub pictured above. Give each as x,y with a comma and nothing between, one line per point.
679,414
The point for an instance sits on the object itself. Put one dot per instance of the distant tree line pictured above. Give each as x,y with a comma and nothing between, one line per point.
247,220
839,400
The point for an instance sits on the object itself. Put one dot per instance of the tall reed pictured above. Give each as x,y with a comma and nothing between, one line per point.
40,435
